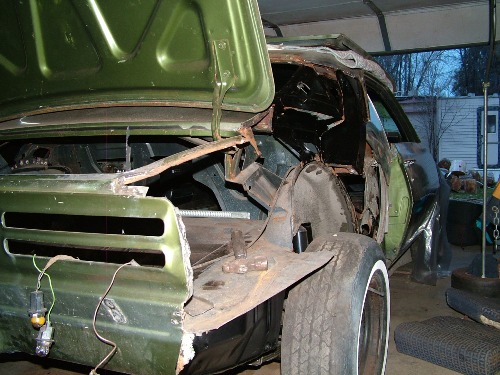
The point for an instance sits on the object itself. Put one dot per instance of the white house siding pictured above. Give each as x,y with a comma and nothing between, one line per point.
459,116
457,120
418,109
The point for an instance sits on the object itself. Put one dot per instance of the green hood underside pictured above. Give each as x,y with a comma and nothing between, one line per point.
57,55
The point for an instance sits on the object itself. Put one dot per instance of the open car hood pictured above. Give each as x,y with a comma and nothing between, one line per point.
62,55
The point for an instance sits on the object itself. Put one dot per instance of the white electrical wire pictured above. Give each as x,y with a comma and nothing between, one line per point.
103,339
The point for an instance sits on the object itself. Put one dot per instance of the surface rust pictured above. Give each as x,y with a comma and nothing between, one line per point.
162,165
244,265
285,268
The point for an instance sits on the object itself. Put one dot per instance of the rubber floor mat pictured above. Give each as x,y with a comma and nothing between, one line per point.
460,345
482,309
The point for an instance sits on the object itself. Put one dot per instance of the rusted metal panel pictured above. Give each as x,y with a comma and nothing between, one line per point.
159,166
234,294
259,183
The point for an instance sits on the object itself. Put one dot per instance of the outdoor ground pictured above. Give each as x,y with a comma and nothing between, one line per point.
409,302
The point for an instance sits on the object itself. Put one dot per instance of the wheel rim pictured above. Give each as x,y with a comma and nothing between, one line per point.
373,327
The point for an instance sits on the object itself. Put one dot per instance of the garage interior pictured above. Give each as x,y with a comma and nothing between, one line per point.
383,26
379,27
391,27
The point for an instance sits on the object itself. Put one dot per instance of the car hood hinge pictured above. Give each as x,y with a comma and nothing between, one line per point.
224,79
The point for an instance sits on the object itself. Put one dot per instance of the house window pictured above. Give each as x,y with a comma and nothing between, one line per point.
493,136
492,123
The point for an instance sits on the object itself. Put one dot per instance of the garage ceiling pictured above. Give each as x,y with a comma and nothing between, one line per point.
381,26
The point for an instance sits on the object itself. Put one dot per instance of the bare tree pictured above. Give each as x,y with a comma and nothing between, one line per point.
426,76
434,122
422,73
469,76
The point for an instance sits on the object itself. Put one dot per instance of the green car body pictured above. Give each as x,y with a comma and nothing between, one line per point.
105,88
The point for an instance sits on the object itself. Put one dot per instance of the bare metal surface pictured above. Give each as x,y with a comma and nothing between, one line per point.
244,265
186,353
114,310
426,194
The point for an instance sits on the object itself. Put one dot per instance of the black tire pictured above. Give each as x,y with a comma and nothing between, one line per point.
337,319
481,309
463,280
460,226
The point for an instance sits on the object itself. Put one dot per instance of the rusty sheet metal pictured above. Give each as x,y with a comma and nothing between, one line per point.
162,165
261,121
247,133
234,294
260,183
349,60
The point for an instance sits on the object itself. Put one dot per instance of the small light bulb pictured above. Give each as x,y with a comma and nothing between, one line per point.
37,320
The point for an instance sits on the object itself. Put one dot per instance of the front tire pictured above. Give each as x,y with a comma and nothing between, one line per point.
337,319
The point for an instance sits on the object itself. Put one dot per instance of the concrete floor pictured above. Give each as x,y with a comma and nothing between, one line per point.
409,302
